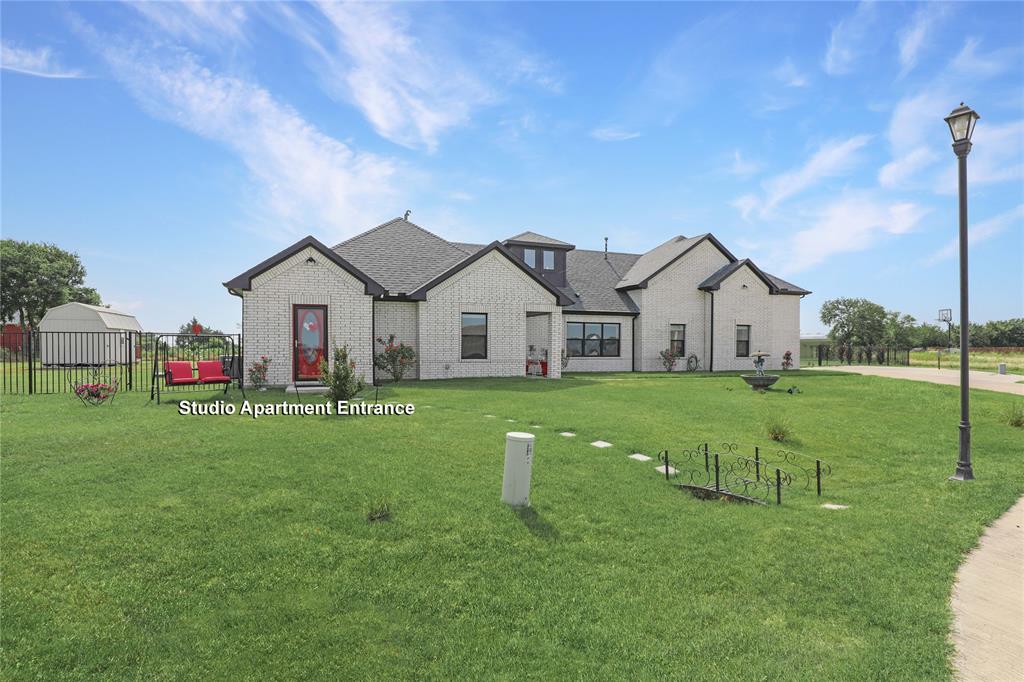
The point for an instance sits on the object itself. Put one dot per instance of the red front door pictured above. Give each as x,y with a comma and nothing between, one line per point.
309,331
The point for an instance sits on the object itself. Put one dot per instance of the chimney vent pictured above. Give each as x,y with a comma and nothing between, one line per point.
606,248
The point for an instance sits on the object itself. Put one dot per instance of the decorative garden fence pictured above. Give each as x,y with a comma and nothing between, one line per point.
744,473
37,362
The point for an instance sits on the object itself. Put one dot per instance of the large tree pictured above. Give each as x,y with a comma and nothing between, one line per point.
854,321
35,277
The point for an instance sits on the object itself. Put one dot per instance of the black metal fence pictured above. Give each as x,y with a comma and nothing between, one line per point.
744,473
826,354
46,362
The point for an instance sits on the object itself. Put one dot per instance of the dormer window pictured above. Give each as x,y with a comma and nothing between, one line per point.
549,260
530,256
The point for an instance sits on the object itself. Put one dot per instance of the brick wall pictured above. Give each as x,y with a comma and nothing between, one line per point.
494,286
672,297
400,318
267,313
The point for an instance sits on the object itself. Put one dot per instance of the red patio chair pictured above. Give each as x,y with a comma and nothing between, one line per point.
211,372
178,373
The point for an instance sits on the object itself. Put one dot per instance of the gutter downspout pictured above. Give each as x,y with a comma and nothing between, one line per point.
373,337
632,344
711,363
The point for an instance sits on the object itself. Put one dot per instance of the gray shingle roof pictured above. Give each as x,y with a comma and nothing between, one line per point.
535,238
400,255
785,287
592,281
656,259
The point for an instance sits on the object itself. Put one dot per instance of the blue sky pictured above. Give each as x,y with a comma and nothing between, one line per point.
174,146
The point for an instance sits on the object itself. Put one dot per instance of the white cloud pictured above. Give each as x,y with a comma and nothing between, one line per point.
741,167
40,62
306,179
613,134
746,205
970,63
913,37
789,75
854,222
847,40
978,233
199,22
899,171
833,158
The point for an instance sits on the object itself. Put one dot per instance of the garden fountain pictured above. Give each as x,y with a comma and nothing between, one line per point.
759,381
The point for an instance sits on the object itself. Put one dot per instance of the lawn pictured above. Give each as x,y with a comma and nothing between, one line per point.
138,543
980,360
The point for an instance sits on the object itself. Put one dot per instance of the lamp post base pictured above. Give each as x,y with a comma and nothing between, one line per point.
964,470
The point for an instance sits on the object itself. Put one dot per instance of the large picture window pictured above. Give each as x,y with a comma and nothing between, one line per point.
677,339
592,339
474,336
530,256
743,340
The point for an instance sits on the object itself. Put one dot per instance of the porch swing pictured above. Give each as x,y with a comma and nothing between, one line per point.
192,367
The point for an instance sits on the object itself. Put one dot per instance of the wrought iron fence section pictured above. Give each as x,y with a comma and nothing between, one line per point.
47,362
749,474
827,354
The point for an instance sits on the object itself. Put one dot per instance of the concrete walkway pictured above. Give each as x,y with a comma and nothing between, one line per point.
988,604
989,381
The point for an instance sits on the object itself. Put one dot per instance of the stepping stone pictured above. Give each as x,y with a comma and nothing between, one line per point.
535,426
601,444
510,420
639,457
567,434
661,470
490,416
829,505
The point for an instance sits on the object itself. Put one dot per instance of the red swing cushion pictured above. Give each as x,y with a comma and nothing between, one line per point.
177,372
211,372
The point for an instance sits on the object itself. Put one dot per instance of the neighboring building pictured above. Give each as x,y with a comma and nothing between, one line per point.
80,334
477,310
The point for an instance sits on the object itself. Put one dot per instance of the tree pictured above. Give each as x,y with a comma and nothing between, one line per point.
900,330
854,321
35,277
187,337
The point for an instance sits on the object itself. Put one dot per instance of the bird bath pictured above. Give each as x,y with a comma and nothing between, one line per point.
760,381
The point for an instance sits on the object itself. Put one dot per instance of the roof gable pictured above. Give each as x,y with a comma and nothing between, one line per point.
774,284
421,293
243,282
400,255
660,257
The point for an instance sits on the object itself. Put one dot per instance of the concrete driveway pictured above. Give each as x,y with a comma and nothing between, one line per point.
989,381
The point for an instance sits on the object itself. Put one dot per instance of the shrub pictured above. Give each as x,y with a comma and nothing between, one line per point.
778,427
1015,415
340,376
395,358
258,372
787,360
668,359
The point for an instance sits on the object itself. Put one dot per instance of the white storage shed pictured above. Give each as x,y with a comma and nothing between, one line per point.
81,334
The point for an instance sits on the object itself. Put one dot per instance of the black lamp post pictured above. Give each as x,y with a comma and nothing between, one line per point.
961,124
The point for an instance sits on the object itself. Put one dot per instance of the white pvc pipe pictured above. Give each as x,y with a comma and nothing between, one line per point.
515,487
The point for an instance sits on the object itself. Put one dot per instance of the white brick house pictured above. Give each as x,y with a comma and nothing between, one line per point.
472,310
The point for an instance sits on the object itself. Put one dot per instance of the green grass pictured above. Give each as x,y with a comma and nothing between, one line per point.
980,360
138,543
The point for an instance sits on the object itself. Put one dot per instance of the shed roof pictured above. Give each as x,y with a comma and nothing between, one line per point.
110,318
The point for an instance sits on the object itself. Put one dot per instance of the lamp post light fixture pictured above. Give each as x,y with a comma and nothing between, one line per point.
961,125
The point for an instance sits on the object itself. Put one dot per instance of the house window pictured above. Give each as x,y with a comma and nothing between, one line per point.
743,340
474,336
530,256
549,260
677,339
592,339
